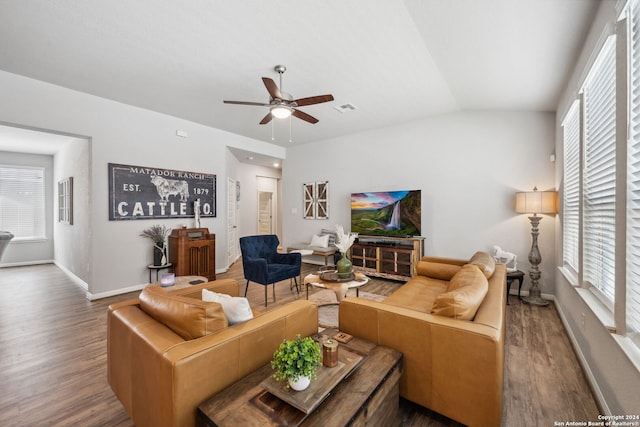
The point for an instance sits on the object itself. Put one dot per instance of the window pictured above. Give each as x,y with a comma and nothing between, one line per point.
633,177
601,181
599,175
22,206
571,187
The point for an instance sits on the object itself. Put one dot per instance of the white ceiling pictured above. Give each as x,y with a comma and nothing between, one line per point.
395,60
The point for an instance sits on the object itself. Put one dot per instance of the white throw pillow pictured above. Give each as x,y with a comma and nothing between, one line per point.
320,241
237,309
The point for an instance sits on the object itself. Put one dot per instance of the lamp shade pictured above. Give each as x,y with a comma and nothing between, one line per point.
544,202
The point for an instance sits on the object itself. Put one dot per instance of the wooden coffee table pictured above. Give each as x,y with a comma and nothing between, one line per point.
369,395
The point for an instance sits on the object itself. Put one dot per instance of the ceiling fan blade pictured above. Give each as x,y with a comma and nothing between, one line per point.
266,119
272,88
260,104
304,116
313,100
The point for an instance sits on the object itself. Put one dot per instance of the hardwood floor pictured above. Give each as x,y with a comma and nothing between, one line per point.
53,356
53,352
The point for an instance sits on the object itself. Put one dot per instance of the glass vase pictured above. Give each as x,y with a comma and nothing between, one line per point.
344,267
158,256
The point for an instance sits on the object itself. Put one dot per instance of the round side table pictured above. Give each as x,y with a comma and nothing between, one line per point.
515,275
157,268
302,252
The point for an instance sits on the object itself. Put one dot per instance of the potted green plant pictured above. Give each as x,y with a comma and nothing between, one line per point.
158,234
296,361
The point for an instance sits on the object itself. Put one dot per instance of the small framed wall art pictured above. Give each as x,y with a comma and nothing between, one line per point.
316,200
65,201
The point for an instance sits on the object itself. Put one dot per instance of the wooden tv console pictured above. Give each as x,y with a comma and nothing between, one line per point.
389,257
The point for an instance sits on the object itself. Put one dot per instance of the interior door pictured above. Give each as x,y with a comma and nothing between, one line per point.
265,209
232,223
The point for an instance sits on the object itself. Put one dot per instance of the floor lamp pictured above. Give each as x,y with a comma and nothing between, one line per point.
535,202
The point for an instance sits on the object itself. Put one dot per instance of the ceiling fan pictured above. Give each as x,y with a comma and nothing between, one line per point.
282,105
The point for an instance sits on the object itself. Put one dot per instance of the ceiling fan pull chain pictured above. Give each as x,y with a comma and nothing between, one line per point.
290,139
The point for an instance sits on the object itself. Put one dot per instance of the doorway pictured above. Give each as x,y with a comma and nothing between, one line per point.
267,205
232,220
265,213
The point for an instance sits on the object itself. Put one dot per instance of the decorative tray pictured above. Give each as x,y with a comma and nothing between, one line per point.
309,399
332,276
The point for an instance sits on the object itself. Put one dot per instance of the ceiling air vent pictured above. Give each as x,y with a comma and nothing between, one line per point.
345,107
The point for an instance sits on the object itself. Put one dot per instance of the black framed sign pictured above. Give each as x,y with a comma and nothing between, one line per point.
138,192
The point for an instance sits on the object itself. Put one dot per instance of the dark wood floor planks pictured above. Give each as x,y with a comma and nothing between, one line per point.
53,356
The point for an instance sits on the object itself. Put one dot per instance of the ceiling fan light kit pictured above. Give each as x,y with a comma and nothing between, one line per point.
280,111
282,105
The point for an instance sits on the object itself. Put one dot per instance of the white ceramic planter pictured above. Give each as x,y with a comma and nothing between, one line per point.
301,384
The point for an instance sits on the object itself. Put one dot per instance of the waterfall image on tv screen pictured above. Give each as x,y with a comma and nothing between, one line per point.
389,213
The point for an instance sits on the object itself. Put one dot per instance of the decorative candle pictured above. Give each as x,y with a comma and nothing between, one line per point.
168,279
330,353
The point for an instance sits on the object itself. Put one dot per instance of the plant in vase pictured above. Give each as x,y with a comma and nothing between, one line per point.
343,243
296,361
158,234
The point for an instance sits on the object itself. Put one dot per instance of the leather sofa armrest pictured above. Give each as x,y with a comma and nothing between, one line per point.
120,304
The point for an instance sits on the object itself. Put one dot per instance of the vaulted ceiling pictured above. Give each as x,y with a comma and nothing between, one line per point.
394,60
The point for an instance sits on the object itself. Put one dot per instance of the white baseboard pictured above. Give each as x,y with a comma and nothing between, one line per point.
93,297
75,279
597,393
25,263
602,404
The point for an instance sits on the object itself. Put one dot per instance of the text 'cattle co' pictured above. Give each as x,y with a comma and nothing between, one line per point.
137,192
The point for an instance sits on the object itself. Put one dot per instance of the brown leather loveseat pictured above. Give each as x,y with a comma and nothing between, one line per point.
449,322
169,351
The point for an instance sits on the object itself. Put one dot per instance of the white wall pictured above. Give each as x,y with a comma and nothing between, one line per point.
468,166
129,135
611,372
248,205
25,252
72,247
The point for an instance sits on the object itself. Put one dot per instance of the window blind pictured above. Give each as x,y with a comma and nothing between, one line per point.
633,176
571,186
22,210
600,172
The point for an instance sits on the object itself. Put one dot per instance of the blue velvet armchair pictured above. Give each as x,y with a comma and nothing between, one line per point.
263,264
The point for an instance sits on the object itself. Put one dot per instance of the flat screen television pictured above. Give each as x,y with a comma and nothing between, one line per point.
386,213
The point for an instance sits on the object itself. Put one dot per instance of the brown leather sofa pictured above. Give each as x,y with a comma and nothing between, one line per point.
169,351
452,366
